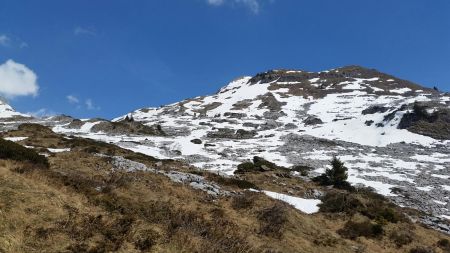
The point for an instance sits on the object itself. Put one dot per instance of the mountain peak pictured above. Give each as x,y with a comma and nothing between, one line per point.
6,111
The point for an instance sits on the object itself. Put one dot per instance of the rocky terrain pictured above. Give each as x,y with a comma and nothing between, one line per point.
69,194
392,134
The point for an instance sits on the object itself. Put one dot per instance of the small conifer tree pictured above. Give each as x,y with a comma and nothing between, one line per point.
337,175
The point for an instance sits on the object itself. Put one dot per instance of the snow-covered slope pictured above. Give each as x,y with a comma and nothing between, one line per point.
305,118
6,111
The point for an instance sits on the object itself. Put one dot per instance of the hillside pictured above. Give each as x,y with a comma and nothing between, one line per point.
97,197
393,134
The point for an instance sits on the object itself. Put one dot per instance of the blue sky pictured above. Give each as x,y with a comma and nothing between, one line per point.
105,58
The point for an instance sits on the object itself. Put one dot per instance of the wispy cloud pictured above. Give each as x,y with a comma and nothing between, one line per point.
72,99
17,80
90,105
84,31
43,112
12,41
4,40
253,5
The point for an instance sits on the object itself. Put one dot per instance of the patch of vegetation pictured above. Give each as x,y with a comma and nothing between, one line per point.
302,169
336,176
402,237
231,181
353,230
340,202
369,204
246,167
258,165
444,244
272,220
243,201
421,249
35,128
16,152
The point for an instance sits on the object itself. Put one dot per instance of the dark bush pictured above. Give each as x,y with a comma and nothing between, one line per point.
402,237
230,181
145,240
336,176
303,170
353,230
339,202
444,244
243,201
259,164
421,249
272,220
16,152
368,205
245,167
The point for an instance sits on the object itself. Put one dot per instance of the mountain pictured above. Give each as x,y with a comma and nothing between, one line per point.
392,134
7,112
271,133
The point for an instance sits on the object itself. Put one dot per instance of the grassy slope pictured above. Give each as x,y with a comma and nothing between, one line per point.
79,204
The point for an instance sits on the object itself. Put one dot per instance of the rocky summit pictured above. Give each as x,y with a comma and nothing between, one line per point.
393,135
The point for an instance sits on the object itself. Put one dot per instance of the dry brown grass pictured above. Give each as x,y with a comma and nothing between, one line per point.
80,205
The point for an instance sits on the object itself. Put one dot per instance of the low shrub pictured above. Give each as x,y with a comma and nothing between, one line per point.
444,244
272,220
16,152
245,167
421,249
259,164
340,202
377,209
402,237
353,230
243,201
303,170
230,181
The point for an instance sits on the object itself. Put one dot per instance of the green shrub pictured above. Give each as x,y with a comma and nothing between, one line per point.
353,230
245,167
336,176
340,202
16,152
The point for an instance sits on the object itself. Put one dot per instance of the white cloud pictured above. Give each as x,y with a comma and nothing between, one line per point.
17,80
90,105
72,99
4,40
12,42
253,5
43,112
84,31
215,2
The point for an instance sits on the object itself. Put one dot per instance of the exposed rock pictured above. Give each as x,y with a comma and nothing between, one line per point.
231,134
196,141
435,125
120,128
375,109
312,120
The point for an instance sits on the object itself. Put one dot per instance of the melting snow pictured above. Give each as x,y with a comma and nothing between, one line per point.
15,139
308,206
